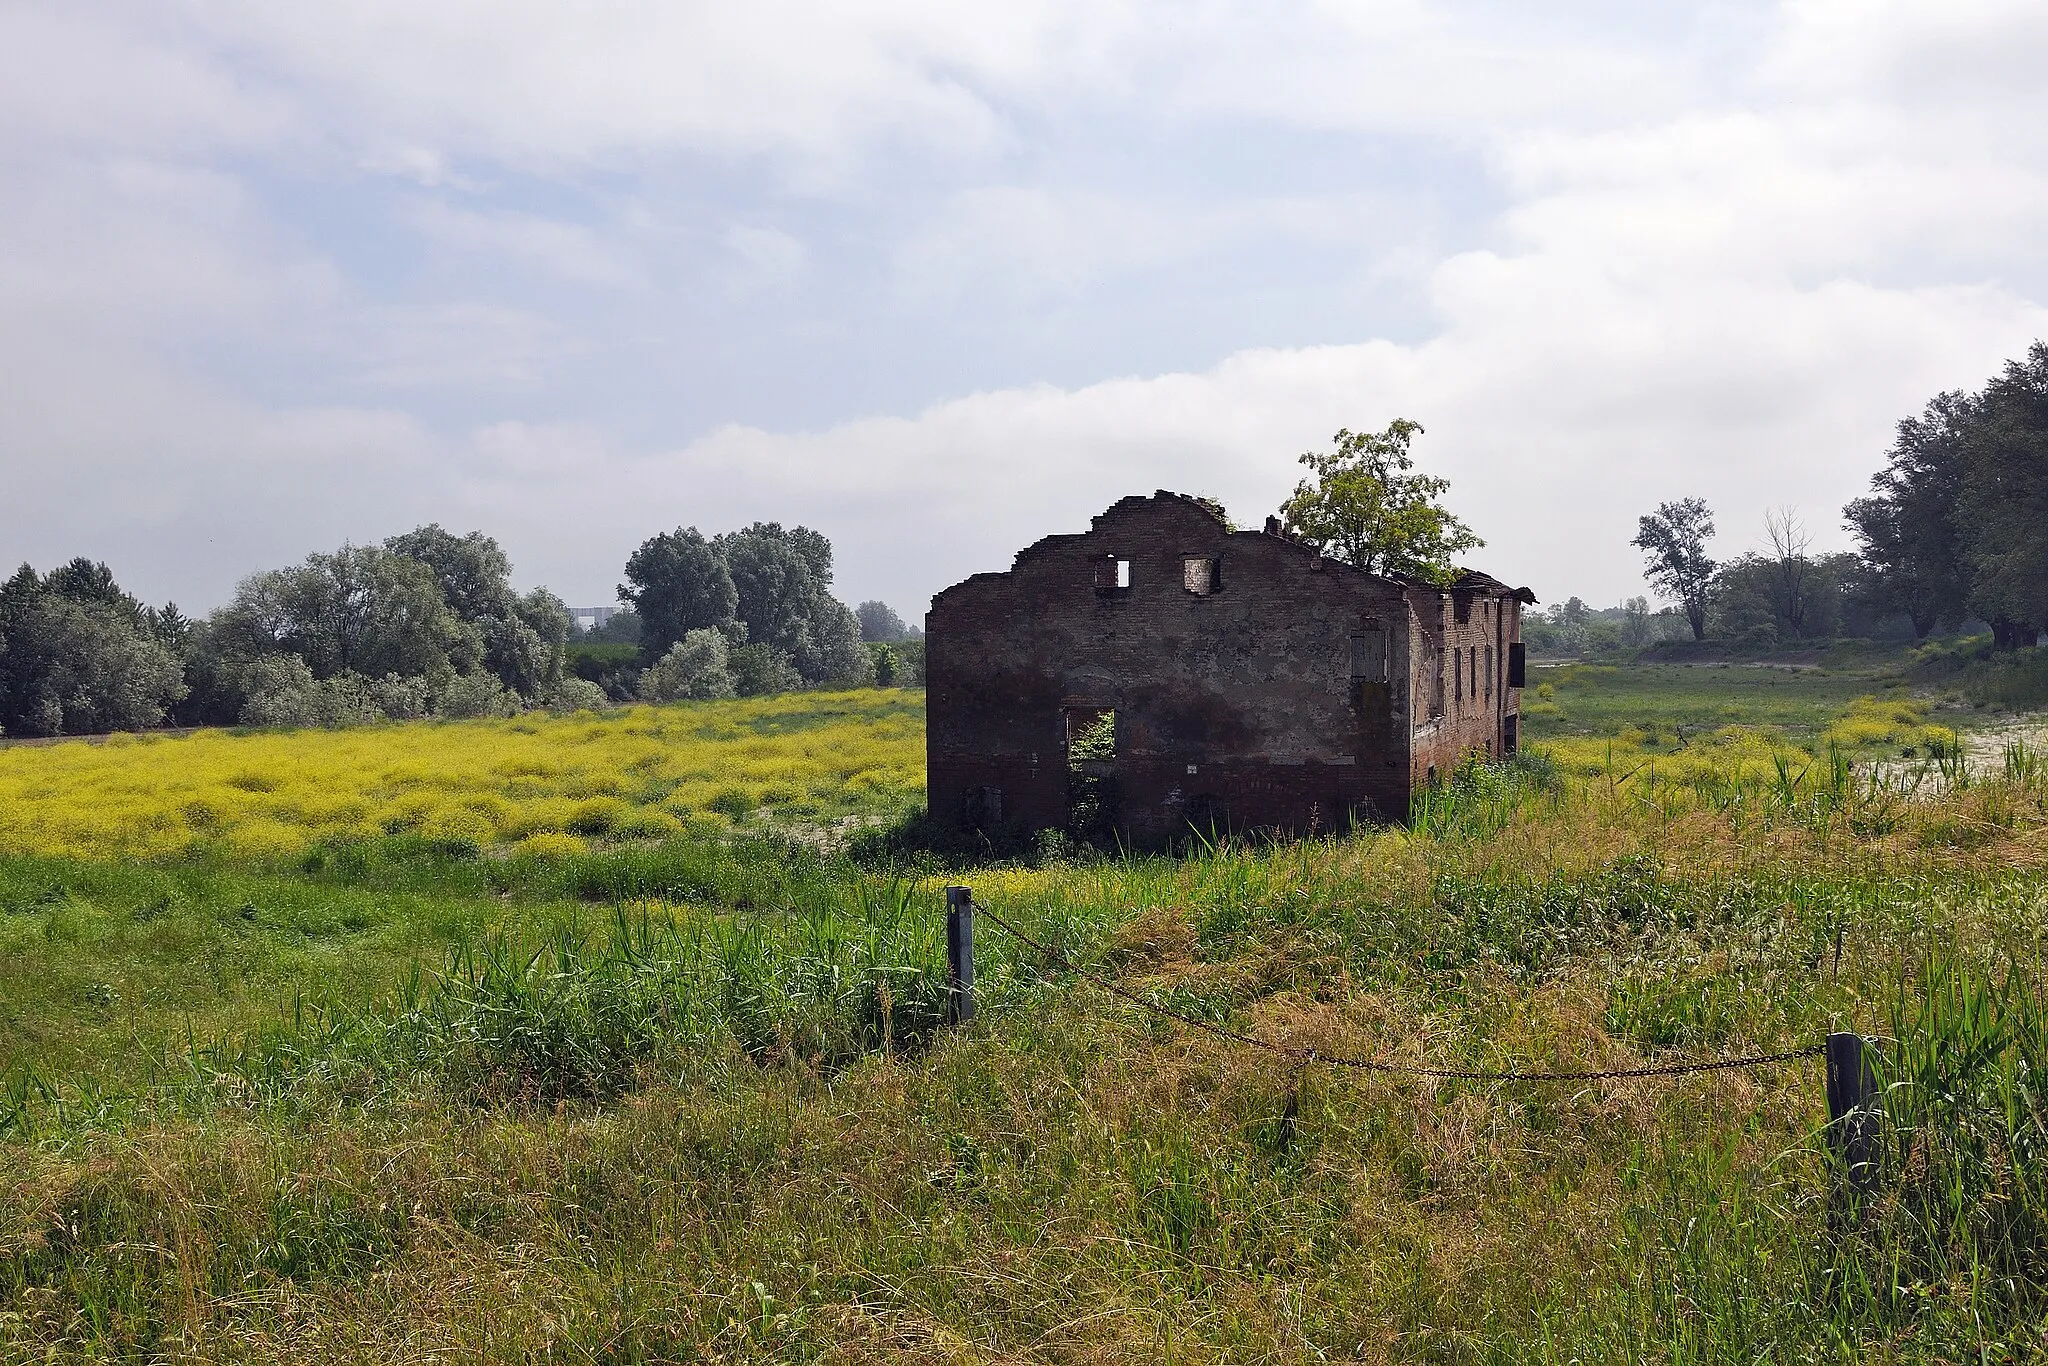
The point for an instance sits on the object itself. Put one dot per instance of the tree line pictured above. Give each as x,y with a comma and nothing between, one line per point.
426,624
1955,529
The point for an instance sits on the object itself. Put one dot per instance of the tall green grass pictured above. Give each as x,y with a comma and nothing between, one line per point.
694,1101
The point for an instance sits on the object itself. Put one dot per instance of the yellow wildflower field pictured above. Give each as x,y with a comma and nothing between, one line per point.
547,783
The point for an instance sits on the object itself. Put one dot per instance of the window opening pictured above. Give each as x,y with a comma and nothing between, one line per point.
1112,574
1489,673
1092,793
984,808
1198,576
1518,665
1458,678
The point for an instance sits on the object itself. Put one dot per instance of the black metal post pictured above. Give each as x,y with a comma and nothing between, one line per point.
959,955
1852,1083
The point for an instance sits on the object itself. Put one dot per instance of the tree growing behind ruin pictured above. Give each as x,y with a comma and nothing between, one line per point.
1365,507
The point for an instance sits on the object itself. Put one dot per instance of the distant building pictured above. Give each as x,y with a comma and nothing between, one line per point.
590,618
1222,679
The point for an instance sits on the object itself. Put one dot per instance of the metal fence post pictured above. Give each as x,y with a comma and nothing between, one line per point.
1852,1084
959,955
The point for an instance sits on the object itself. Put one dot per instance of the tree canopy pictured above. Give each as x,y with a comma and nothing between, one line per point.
1365,507
767,587
78,655
1674,541
1957,521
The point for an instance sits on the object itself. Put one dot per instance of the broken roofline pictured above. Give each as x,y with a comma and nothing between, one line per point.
1468,580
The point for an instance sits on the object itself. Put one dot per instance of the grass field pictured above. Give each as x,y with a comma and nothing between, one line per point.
389,1090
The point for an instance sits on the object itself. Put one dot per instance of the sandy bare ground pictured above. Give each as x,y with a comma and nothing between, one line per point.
1985,746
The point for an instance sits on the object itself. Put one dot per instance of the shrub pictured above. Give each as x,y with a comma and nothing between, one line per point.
696,668
760,669
473,695
574,694
597,816
550,845
278,690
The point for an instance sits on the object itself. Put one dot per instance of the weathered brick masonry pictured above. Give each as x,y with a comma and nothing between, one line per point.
1255,684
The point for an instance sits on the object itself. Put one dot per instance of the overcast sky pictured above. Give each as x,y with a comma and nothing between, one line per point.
939,279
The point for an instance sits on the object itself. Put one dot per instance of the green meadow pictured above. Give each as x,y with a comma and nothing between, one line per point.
677,1084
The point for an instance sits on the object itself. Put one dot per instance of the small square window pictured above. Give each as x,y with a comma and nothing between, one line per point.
1198,576
1112,574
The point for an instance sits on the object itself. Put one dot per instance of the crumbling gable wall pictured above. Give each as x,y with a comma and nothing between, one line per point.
1254,684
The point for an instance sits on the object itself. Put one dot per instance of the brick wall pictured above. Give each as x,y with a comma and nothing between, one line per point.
1285,698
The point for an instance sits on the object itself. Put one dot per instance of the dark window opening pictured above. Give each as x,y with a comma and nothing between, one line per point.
1206,815
1489,673
1458,678
1198,575
1518,665
1112,575
984,808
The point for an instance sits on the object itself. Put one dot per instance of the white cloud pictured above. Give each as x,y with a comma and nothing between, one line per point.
1678,258
764,258
567,251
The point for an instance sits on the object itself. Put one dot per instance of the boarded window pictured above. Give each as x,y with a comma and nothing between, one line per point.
1369,655
1198,576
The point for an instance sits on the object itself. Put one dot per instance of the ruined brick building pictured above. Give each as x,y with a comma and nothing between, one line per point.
1227,679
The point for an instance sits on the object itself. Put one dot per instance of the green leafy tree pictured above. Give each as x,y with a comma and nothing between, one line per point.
77,656
2003,502
363,609
473,573
1636,628
879,622
1364,507
1912,544
677,583
1674,541
522,638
